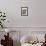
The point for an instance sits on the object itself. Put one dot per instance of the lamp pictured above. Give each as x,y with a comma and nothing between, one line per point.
7,31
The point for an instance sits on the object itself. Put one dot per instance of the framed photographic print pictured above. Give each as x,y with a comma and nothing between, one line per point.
24,11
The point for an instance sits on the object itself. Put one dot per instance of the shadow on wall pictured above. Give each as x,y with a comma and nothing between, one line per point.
16,43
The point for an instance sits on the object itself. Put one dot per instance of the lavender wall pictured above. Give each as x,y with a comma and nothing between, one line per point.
35,18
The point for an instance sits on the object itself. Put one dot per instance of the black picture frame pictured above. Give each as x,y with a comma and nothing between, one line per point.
24,11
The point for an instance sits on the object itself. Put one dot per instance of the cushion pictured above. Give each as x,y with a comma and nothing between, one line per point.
26,39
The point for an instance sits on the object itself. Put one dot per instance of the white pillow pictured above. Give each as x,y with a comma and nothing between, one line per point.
27,38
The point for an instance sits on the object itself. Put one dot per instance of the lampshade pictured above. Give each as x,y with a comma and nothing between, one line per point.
7,30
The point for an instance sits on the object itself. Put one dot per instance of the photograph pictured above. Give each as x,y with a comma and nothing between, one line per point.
24,11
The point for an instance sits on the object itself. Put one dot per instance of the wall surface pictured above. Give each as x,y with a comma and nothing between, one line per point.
36,17
35,21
